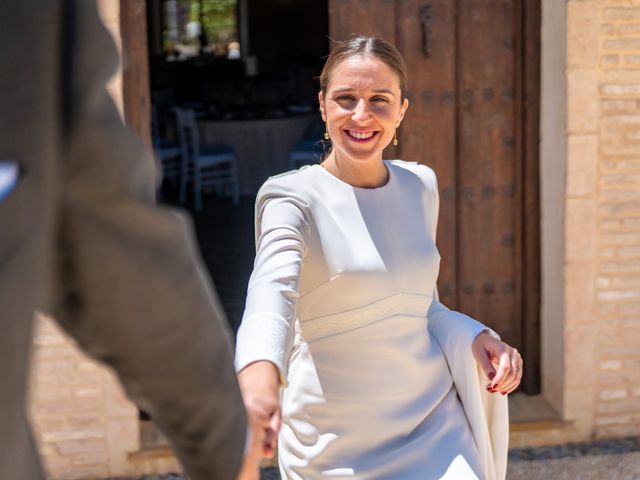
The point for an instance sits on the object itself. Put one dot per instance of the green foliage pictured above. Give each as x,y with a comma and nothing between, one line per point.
218,17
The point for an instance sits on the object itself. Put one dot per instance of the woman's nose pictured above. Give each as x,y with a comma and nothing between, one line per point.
361,110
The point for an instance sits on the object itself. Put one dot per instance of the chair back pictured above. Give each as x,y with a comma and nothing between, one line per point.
188,133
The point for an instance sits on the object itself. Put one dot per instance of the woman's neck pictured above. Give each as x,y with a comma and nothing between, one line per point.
366,174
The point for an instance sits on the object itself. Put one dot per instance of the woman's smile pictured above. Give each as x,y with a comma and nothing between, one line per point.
360,136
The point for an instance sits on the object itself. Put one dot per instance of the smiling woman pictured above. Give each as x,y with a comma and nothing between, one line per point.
381,380
362,107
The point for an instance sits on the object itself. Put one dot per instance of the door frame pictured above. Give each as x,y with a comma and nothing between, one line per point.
136,95
553,203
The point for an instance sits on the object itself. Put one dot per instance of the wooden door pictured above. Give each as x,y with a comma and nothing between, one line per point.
473,70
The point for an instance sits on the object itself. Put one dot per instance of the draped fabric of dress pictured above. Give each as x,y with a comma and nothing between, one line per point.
376,370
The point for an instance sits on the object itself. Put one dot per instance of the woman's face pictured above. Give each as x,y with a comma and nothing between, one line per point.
362,108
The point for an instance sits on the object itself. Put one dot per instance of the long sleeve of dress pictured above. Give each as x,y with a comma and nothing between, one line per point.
266,332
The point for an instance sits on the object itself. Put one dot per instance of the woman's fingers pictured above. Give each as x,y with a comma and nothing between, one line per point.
271,435
485,363
270,442
482,352
267,417
511,366
275,421
502,372
516,373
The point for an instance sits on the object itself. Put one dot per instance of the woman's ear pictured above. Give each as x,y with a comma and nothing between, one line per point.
403,109
321,102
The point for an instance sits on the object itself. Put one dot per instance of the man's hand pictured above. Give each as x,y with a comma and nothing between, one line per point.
251,464
501,363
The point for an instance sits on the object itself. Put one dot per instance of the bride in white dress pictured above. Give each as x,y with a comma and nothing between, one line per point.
344,353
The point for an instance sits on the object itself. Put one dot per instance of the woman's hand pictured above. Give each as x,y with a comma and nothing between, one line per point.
501,363
260,387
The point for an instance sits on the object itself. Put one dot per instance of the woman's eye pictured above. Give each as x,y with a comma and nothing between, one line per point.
380,99
345,98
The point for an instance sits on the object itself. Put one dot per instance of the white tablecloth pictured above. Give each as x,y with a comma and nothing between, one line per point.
261,147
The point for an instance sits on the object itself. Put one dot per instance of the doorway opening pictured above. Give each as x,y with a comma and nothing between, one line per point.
247,69
244,72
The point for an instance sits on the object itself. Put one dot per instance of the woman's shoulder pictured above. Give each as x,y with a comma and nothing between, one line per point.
294,183
425,173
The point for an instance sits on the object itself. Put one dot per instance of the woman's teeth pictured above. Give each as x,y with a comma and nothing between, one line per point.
360,135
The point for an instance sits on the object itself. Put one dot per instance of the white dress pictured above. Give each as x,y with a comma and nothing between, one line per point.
341,300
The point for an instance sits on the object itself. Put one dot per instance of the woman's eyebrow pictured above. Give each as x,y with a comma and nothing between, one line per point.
384,90
379,90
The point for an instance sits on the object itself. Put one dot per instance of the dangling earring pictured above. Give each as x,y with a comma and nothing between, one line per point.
326,132
395,137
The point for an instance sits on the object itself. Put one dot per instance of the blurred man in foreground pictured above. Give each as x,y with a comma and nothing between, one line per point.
81,238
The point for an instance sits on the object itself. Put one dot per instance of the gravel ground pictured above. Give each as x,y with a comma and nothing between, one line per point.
617,459
617,466
624,466
601,460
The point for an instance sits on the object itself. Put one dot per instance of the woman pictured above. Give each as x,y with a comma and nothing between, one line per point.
341,307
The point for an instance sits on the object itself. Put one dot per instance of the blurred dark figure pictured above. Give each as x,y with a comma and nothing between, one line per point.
81,238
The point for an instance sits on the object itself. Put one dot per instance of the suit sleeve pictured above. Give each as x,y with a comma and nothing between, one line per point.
267,328
131,287
449,325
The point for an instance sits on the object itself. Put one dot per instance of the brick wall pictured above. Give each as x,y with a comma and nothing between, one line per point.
618,195
84,425
602,335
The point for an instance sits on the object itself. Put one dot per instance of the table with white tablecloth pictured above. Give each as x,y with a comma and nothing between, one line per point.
261,147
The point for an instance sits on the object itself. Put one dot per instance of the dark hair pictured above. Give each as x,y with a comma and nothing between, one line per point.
365,46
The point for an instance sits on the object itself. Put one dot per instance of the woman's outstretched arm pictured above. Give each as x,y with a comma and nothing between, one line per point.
266,334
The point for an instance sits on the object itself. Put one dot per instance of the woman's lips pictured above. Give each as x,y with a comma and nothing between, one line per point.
361,137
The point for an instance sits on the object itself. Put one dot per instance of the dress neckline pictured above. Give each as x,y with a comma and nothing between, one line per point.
387,164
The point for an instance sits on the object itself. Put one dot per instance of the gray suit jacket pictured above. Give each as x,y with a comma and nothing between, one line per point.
80,236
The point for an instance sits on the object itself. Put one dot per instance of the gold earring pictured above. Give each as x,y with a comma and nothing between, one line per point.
326,132
395,137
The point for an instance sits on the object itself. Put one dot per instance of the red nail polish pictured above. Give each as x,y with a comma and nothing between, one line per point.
491,375
503,393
